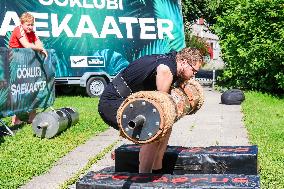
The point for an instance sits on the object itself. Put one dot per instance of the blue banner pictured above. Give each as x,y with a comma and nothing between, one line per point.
26,80
98,36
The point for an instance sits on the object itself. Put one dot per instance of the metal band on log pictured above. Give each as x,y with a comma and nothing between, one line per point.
182,103
194,92
146,116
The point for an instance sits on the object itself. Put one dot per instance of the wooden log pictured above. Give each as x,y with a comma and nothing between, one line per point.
156,108
147,116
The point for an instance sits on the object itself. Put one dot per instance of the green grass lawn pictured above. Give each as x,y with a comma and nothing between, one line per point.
25,155
264,119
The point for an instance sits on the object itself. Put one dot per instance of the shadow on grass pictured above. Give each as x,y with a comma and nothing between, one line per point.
62,90
1,139
4,132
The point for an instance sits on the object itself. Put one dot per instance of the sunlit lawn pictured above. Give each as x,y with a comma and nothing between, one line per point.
264,119
25,155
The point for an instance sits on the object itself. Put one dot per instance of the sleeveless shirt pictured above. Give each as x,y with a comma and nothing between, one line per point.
140,75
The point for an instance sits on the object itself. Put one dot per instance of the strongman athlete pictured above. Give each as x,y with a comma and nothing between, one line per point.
148,73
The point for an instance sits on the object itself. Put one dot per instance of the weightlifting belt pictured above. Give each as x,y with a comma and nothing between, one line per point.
121,86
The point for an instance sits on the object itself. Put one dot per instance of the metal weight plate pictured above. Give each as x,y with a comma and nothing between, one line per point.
63,112
141,120
72,113
64,120
46,124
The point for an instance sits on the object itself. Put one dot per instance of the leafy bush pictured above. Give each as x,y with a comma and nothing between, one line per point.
196,42
251,36
208,9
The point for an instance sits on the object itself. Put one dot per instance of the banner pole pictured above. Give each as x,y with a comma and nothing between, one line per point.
7,128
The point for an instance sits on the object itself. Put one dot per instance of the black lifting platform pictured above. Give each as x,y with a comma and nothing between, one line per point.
183,167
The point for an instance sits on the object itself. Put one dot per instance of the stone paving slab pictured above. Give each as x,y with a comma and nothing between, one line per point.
73,162
214,124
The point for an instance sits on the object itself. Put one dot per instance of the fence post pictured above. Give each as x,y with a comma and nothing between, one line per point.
213,79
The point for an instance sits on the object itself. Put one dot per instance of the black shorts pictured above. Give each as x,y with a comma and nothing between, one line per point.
108,110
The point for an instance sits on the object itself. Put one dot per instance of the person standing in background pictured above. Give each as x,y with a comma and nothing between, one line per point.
23,36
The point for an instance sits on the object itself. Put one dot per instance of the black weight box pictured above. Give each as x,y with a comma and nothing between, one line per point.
194,160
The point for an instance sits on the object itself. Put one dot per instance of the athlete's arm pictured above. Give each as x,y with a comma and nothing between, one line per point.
164,78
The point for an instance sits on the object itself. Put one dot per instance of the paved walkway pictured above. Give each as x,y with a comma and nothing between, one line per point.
214,124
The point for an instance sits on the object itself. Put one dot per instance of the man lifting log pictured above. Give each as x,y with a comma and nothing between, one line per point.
148,73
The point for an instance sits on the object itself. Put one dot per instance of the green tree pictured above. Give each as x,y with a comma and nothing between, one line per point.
208,9
251,36
196,42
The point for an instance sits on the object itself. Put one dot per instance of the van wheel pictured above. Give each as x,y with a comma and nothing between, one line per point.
95,86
